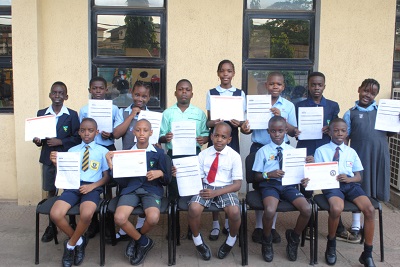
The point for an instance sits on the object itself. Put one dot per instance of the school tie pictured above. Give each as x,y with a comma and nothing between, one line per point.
336,156
85,161
279,156
213,170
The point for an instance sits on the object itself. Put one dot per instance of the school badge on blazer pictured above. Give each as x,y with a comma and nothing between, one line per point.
65,128
152,163
94,165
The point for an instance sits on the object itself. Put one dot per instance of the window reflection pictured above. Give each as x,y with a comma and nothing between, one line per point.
280,5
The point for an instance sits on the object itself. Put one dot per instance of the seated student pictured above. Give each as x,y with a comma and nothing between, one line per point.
146,191
94,174
221,171
350,189
268,168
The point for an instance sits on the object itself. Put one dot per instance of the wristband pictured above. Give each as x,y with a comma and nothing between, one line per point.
265,175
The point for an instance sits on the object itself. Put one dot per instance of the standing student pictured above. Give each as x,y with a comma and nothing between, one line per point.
371,145
98,90
93,175
225,73
67,122
349,177
146,191
275,85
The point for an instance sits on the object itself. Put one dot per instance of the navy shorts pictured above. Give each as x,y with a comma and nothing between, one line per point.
274,188
48,177
73,196
348,191
140,197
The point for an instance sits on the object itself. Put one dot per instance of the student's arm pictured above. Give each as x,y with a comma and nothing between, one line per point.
53,157
37,141
212,123
202,138
121,129
162,173
292,122
209,193
245,128
84,189
343,178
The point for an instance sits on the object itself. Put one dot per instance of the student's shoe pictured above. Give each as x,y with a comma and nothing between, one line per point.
330,255
48,234
348,237
80,251
292,245
366,261
204,251
225,231
267,250
141,252
93,228
257,235
224,250
130,248
276,238
68,256
213,237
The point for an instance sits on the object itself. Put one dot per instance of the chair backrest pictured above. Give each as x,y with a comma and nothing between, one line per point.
168,163
249,168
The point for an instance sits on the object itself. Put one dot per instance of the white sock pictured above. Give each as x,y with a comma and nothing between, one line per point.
231,240
121,232
140,222
356,221
274,222
79,242
215,226
259,214
197,240
226,224
70,247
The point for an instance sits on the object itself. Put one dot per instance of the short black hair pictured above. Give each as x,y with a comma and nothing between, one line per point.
90,120
315,74
60,84
276,73
184,80
98,79
224,62
223,124
370,82
275,119
335,121
144,120
140,84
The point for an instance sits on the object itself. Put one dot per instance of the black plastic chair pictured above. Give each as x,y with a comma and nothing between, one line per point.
182,205
253,201
109,208
44,208
321,203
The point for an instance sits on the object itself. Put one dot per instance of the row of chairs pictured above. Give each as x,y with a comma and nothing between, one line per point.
253,201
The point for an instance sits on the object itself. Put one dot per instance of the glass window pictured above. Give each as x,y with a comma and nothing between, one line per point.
130,3
280,5
6,72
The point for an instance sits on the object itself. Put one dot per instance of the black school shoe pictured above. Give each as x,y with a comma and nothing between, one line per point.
131,248
204,251
141,252
267,250
330,255
68,256
292,245
224,250
80,251
48,234
366,261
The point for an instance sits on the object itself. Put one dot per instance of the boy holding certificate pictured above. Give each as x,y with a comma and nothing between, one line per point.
349,177
268,168
67,126
93,175
146,191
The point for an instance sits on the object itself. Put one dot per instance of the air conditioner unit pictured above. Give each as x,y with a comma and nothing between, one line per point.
394,150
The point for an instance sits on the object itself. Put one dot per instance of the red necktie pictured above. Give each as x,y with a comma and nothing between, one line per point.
213,170
336,156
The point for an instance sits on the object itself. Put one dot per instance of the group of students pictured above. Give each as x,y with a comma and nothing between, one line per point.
220,166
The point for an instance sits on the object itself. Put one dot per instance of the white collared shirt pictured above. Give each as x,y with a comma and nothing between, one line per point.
63,110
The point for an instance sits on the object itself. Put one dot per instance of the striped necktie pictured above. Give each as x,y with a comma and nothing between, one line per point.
279,156
85,161
336,156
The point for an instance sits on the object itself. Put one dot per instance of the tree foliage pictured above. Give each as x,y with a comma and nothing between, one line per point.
140,33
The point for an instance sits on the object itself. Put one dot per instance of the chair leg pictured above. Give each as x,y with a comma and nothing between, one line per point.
175,213
381,234
102,232
37,239
170,235
245,239
316,235
311,225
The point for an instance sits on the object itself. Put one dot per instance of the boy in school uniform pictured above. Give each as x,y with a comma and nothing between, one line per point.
221,171
98,90
146,191
350,189
67,122
93,175
268,168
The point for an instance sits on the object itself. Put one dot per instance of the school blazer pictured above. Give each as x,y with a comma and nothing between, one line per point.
67,131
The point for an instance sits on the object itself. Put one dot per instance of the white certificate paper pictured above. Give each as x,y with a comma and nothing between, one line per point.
129,163
226,108
293,165
322,175
258,111
387,117
68,170
184,140
42,127
101,112
188,176
155,120
311,122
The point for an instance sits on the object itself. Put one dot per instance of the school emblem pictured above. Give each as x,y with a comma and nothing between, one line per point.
349,164
152,163
360,116
272,156
65,128
94,165
158,201
333,172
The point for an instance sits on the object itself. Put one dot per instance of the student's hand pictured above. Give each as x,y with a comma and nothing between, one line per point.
235,123
53,157
343,178
276,174
212,123
155,174
157,145
87,188
207,193
135,111
105,135
201,140
37,141
54,142
173,171
276,111
245,128
169,136
297,132
325,129
109,157
304,182
310,159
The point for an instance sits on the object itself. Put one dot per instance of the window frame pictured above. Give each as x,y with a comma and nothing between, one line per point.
6,61
396,63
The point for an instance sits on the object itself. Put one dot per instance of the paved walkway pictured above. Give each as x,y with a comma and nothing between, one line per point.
17,236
